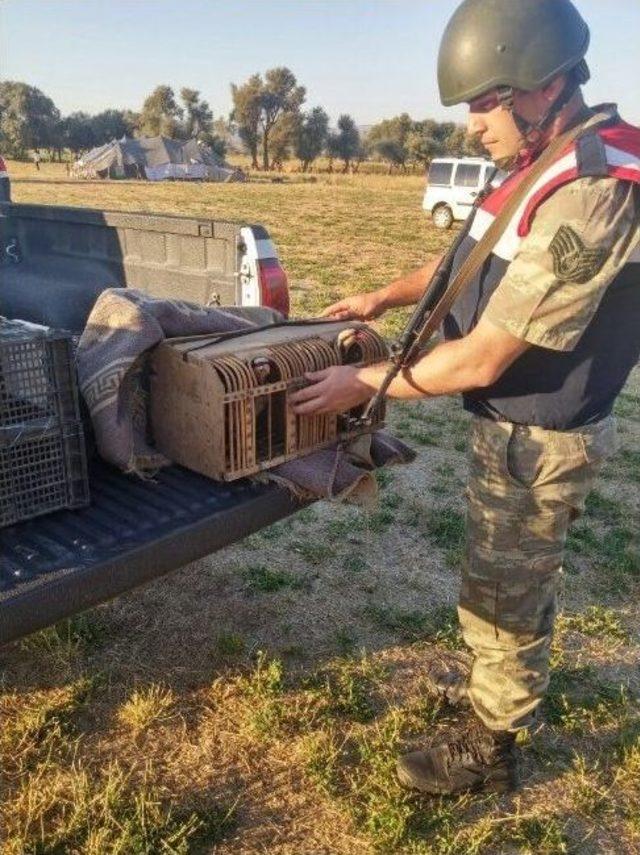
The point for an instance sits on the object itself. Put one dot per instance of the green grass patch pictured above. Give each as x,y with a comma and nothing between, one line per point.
615,553
354,563
345,640
618,562
346,688
423,436
273,532
314,552
111,811
601,508
445,628
230,644
461,445
589,793
630,463
264,580
537,835
341,527
582,540
390,501
384,478
439,626
263,689
321,757
306,516
445,527
596,622
379,521
579,702
407,624
79,634
627,406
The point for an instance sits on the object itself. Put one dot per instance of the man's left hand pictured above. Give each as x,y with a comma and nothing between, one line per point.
333,390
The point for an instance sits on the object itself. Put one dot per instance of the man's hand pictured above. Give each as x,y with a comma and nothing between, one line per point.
332,390
360,307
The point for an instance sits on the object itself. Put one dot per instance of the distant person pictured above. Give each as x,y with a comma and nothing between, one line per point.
36,160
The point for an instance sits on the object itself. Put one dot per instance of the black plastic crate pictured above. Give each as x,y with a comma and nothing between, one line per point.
43,464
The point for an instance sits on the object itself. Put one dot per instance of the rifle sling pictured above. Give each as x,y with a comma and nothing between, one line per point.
481,251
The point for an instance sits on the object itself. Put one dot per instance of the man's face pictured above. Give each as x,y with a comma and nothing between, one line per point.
494,126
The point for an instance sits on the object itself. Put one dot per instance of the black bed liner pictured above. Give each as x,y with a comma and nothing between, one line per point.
133,531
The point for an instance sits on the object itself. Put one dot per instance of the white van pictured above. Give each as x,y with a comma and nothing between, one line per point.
452,186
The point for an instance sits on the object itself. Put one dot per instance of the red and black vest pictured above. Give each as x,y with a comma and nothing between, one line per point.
559,390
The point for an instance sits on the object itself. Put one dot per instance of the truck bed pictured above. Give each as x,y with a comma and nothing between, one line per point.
133,531
54,262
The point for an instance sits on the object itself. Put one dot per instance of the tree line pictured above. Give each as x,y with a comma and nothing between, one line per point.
30,120
268,116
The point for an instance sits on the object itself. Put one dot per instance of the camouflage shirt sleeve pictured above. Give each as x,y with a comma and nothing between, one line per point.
579,240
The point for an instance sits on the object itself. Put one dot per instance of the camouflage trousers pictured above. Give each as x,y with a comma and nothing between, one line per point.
526,485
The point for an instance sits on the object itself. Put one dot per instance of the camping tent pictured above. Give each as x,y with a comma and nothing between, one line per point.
154,158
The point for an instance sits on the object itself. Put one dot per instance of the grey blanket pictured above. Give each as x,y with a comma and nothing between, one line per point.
121,330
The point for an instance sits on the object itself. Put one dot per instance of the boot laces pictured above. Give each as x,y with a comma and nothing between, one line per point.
462,750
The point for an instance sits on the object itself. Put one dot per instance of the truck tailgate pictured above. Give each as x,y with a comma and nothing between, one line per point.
133,531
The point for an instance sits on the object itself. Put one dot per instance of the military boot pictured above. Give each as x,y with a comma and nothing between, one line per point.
448,685
479,759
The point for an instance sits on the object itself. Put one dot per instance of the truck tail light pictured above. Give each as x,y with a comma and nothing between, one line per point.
274,287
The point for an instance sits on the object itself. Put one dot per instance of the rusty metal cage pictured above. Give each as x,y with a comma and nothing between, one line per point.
43,464
222,408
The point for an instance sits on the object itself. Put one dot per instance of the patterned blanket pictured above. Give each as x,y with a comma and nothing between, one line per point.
125,324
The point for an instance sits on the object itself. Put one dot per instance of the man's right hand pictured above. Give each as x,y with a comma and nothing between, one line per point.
360,307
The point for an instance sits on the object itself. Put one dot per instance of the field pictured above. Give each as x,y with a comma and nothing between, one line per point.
254,701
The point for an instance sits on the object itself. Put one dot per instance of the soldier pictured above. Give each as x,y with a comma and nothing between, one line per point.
539,345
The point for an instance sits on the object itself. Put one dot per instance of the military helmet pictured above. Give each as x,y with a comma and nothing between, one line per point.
521,44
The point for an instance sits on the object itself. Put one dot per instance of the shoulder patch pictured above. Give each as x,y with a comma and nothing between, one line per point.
573,260
591,155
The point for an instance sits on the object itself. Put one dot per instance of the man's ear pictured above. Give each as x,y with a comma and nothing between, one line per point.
553,89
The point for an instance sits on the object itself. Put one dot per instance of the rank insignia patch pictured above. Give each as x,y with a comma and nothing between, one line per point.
573,261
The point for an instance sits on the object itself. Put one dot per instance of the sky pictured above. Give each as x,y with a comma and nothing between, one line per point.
372,59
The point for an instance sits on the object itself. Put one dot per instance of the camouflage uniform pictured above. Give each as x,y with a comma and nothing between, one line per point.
527,483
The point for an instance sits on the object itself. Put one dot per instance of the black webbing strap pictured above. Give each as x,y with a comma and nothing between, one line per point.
591,156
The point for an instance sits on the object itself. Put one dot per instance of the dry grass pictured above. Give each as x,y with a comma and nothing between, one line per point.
255,700
146,707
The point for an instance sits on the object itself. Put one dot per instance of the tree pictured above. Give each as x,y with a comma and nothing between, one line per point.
344,144
199,117
393,152
281,97
28,119
460,144
160,114
332,148
388,139
423,143
361,155
258,107
226,132
283,136
247,109
78,132
216,143
113,125
311,136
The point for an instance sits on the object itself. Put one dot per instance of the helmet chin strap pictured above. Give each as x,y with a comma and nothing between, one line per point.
533,132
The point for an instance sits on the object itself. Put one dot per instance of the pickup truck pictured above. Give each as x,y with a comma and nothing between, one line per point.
54,262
